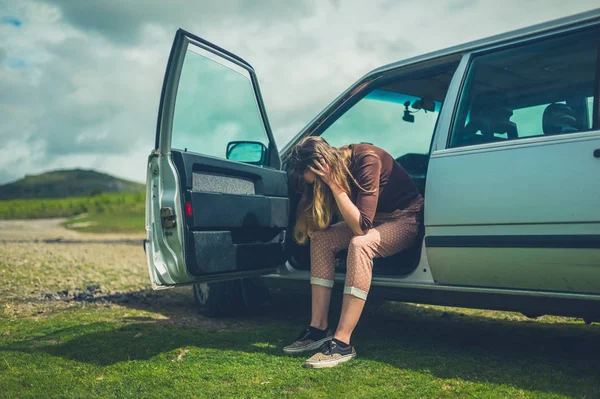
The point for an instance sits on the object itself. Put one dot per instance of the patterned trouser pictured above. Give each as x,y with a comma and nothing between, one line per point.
392,232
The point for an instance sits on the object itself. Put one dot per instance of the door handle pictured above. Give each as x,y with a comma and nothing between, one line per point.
597,153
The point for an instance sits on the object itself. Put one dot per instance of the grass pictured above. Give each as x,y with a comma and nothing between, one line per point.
109,212
109,203
108,223
128,341
59,339
131,352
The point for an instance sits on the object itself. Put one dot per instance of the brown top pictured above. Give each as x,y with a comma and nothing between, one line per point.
379,172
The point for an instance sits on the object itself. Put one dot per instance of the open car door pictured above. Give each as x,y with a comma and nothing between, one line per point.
216,201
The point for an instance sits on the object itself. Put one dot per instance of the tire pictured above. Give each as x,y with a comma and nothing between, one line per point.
219,299
254,294
230,298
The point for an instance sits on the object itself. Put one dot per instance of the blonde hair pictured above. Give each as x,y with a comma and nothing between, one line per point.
317,204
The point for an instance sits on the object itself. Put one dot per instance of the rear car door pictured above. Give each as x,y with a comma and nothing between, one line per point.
513,200
216,199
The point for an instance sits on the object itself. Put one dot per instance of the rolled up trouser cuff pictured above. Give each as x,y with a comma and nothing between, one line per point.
321,281
357,292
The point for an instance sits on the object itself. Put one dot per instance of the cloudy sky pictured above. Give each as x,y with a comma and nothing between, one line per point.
80,79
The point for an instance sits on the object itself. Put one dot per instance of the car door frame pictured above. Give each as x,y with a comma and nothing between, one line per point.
171,78
167,266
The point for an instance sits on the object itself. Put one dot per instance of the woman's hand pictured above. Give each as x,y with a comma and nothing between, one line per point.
349,211
323,170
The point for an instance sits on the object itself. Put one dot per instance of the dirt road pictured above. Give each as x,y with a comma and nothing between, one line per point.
40,260
53,230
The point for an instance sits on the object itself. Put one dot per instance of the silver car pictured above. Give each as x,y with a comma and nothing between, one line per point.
501,135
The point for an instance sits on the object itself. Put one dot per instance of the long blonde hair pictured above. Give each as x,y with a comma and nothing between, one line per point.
317,204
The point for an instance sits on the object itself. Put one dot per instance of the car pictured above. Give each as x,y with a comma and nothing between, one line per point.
501,136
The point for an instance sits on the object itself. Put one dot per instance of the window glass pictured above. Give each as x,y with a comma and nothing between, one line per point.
539,89
378,119
399,117
215,105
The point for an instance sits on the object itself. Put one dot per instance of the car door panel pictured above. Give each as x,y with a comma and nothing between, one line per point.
239,213
209,218
266,181
515,217
251,211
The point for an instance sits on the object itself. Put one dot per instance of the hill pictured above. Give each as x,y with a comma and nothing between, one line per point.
66,183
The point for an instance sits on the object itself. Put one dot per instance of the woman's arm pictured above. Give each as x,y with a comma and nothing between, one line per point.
359,216
349,211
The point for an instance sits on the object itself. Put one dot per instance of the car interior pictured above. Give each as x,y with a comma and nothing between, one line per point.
429,86
542,89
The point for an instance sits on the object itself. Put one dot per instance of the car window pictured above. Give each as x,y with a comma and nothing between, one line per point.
533,90
378,119
216,104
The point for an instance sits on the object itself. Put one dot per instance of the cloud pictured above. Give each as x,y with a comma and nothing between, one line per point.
85,77
123,21
370,42
8,20
458,5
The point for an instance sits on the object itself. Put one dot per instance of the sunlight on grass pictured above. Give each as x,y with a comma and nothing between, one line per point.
79,320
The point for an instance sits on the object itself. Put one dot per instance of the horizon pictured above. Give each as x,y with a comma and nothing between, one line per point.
85,79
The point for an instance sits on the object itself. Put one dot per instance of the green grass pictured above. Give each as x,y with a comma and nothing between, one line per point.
403,352
110,212
153,344
108,223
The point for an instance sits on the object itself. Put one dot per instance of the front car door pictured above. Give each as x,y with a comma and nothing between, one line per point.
216,200
513,200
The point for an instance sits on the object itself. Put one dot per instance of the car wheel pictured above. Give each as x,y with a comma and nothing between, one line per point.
219,299
254,294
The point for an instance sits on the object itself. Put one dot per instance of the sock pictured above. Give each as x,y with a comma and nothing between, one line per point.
341,344
320,334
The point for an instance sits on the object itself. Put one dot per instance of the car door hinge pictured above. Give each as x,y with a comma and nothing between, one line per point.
167,217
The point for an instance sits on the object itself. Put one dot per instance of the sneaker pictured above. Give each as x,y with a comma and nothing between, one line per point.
331,354
310,339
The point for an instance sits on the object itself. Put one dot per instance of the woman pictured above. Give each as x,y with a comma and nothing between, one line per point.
380,206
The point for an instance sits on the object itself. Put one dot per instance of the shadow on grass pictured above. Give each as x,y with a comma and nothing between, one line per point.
547,357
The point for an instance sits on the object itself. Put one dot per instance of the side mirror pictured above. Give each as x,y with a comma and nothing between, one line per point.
252,152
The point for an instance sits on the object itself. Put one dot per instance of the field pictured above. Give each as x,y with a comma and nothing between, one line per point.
104,213
78,320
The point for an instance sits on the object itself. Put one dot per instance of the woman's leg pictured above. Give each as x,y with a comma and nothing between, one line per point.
324,245
384,240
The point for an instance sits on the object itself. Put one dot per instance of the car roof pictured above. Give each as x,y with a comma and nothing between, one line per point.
575,19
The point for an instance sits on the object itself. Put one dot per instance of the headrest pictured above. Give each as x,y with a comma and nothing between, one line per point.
508,127
501,114
558,118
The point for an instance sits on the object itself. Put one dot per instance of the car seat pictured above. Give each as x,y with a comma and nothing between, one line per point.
559,119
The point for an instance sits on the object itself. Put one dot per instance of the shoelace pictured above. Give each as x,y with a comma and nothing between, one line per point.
327,347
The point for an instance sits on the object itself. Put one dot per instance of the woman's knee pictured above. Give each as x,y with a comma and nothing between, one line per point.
360,244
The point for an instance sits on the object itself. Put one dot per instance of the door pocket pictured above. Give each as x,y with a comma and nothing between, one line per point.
215,253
